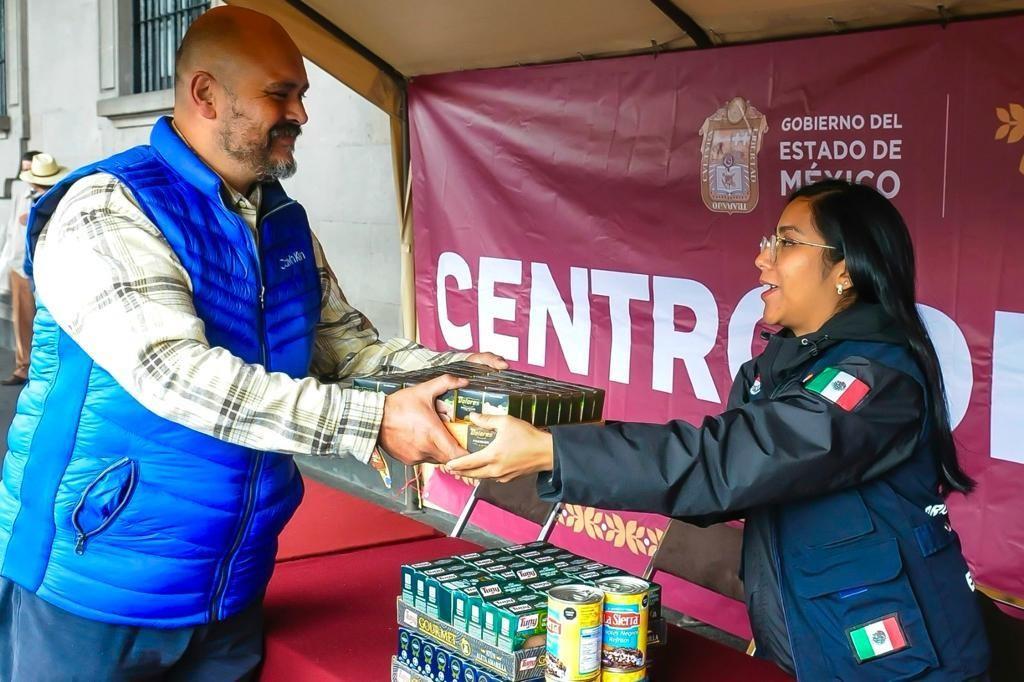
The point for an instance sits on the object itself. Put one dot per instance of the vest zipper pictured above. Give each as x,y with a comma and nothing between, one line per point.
216,605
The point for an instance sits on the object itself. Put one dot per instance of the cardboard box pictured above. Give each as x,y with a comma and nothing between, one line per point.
527,664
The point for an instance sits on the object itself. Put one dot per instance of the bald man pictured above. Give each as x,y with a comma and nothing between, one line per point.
184,304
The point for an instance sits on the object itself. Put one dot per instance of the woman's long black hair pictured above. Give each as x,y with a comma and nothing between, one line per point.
870,234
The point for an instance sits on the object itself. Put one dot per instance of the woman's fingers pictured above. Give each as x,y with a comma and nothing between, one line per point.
474,461
488,421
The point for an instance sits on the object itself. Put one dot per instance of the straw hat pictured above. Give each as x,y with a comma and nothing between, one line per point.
45,171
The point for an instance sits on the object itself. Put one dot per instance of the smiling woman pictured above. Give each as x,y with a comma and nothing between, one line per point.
835,448
803,291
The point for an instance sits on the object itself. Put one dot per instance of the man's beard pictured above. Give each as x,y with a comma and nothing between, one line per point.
237,141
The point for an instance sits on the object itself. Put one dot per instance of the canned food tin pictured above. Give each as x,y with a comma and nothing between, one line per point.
613,675
426,663
574,633
404,646
625,623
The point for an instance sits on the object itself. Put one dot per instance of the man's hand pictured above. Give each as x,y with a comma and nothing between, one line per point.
490,359
411,431
518,449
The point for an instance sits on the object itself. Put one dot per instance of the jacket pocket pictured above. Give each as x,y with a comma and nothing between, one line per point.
844,590
103,500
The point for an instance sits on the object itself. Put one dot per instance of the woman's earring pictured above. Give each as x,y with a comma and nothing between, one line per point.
839,289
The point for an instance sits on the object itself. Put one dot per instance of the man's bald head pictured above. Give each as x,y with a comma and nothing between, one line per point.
228,40
239,85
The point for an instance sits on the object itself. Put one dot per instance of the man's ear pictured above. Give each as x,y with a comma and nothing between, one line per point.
203,94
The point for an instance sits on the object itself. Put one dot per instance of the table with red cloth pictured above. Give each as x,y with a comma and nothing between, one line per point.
331,613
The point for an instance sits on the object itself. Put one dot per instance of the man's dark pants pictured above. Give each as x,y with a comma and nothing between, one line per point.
40,642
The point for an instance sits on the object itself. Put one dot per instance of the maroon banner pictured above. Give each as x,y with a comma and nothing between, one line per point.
598,221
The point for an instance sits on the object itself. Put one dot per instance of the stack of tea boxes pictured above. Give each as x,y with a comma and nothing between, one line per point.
538,400
498,597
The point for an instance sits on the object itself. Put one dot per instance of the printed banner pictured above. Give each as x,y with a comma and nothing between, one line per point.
598,222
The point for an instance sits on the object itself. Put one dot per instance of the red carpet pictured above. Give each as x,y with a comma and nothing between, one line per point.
334,617
330,521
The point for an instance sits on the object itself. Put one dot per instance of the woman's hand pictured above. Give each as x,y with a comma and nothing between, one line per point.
518,449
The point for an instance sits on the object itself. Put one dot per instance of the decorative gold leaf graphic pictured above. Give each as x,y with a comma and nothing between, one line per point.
611,528
1012,128
1017,112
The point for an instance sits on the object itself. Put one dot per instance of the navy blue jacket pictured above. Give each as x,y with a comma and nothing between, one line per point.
845,526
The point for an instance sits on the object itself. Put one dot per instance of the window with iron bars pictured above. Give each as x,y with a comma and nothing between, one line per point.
158,26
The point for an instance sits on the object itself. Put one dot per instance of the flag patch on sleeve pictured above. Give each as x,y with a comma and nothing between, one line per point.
876,639
839,387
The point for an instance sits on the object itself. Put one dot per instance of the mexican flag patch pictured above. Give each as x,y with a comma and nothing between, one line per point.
839,387
877,639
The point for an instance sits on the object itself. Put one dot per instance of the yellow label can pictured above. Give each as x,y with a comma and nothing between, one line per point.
574,633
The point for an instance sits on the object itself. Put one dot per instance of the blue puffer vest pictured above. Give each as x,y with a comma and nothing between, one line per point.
115,514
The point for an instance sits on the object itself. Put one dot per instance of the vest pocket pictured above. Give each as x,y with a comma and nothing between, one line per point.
103,500
844,590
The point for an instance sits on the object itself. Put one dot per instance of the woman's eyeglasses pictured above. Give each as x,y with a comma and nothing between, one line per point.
773,242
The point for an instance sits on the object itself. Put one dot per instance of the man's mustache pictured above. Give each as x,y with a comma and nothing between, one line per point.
289,129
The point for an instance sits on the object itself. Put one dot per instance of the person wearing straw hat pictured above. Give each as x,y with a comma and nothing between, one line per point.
40,172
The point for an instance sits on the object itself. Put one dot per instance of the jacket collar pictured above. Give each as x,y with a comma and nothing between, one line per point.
786,352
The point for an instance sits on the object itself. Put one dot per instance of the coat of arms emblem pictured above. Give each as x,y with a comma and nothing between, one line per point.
728,167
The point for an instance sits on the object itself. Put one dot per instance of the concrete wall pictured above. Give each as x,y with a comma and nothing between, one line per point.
74,55
346,183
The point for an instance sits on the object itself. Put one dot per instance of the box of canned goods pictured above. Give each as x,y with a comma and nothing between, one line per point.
491,591
543,560
517,622
406,638
410,571
585,567
542,585
401,672
441,593
470,437
481,657
536,545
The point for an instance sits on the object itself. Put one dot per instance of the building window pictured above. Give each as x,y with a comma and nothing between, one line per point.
158,26
3,58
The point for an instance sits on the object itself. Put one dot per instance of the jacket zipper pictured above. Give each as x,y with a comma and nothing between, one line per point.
216,605
81,536
772,530
796,377
778,582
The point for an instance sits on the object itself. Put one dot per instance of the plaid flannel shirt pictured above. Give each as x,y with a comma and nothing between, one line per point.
112,282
